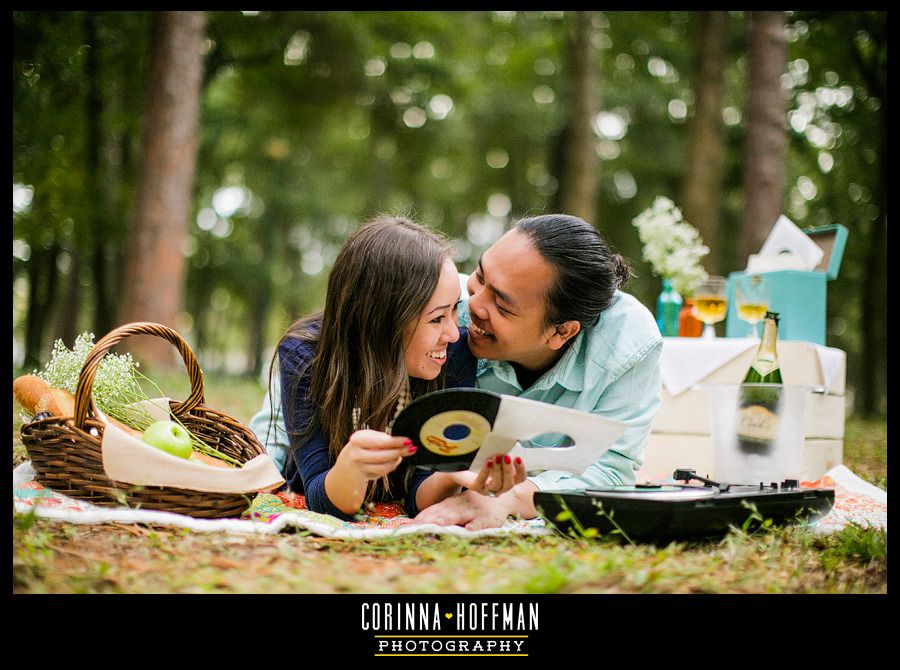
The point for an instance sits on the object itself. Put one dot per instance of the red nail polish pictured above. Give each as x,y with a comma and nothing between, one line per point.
518,460
407,443
507,460
499,459
413,450
490,463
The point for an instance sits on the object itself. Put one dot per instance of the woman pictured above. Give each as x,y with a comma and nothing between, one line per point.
388,334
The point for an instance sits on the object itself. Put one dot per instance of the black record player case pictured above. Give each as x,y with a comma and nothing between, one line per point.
675,512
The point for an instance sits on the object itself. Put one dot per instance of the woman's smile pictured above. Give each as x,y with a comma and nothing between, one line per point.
428,336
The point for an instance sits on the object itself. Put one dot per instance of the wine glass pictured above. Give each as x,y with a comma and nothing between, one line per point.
752,296
710,304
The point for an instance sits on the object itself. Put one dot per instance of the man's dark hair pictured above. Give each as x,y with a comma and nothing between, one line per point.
587,271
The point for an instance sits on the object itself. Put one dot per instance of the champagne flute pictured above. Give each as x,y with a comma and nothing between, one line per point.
752,297
710,304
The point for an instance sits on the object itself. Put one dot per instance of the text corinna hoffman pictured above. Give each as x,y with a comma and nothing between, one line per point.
458,617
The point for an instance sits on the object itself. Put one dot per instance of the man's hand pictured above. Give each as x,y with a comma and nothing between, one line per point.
475,511
469,509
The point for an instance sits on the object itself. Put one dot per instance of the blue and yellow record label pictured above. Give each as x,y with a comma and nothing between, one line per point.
454,432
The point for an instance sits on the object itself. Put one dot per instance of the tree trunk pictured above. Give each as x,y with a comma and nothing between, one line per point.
872,65
262,306
97,254
155,265
42,283
580,169
874,292
765,142
67,315
119,205
701,200
259,316
874,300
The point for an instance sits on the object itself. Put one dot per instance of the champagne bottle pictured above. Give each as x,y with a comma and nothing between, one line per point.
758,407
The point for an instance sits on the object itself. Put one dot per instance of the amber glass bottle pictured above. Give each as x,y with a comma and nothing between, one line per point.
688,324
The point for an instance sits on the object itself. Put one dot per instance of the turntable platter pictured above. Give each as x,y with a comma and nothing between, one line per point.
663,492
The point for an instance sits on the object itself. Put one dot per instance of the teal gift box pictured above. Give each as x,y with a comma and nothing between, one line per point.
799,297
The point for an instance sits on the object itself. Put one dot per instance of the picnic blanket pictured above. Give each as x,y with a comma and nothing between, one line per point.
856,502
268,513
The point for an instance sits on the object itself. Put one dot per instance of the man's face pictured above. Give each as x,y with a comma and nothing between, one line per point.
507,304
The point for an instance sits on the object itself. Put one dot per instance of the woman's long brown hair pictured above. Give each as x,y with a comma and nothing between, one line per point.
382,279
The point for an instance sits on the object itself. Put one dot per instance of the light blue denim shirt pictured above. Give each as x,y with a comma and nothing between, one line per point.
268,426
611,369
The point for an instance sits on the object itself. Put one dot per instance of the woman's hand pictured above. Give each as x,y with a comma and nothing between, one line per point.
497,475
368,455
373,454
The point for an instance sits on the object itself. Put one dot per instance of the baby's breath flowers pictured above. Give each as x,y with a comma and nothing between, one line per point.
115,385
672,246
117,389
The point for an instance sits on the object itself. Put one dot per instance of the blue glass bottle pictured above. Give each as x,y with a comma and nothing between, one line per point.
668,305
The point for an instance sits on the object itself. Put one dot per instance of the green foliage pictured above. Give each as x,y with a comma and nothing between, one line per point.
755,521
78,82
581,529
858,544
31,553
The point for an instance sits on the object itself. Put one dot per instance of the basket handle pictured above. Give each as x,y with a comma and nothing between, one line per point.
83,394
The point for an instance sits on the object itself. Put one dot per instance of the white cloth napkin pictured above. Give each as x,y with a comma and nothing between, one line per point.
830,360
687,360
127,459
130,460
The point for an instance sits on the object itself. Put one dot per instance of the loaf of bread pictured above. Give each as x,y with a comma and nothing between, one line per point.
36,396
210,460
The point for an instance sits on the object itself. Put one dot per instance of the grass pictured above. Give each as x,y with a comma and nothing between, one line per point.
865,450
51,557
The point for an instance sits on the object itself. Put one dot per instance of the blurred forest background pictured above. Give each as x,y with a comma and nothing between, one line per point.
201,169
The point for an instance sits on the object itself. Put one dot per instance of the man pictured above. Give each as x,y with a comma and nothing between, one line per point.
548,322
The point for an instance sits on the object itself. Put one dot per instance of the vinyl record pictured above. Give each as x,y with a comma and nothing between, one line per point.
664,492
448,426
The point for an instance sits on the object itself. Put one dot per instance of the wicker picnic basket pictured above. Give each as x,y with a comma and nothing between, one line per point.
66,452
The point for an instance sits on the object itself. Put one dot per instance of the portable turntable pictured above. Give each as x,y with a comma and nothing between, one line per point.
664,511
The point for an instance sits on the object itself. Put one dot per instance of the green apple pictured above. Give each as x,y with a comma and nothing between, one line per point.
170,437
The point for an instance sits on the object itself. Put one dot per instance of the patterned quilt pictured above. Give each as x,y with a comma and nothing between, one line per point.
856,502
